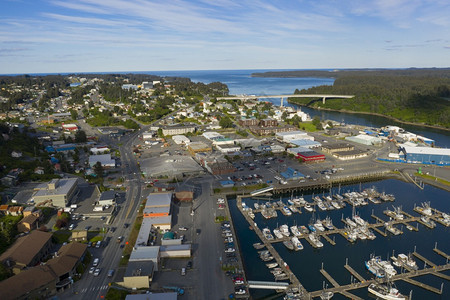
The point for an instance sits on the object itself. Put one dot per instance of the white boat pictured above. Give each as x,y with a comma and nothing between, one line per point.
387,267
284,229
288,244
277,233
335,204
359,220
258,245
303,229
385,292
404,260
272,265
293,208
295,231
428,222
374,268
392,229
315,240
297,244
328,223
321,205
318,225
286,210
256,205
350,222
308,207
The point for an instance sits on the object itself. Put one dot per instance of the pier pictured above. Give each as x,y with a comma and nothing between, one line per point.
429,263
442,253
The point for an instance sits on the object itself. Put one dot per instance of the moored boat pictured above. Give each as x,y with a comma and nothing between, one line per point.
258,246
267,234
374,267
297,244
385,292
288,244
295,231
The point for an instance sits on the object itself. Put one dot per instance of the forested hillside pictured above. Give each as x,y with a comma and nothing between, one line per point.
417,99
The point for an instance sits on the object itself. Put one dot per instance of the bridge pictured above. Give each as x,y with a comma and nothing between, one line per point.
262,191
323,96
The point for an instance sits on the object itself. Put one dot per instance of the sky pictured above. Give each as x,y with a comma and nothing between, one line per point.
62,36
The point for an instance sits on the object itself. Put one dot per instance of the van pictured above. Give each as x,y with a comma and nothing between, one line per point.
183,271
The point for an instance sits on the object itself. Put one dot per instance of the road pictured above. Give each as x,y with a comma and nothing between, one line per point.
95,287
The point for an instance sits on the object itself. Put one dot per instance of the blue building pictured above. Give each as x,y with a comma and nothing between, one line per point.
425,155
292,174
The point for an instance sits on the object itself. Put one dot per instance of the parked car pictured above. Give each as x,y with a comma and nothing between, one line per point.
229,250
189,265
91,270
97,272
96,261
182,228
183,271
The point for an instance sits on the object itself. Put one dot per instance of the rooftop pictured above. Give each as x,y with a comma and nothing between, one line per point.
61,187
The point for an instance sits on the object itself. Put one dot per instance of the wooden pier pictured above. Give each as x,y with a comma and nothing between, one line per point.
442,253
428,262
354,273
329,278
422,285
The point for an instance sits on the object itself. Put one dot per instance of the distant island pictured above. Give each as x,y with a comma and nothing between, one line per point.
419,96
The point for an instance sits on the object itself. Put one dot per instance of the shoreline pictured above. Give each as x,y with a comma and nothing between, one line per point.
374,114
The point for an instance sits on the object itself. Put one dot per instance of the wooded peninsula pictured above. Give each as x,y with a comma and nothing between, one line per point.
420,96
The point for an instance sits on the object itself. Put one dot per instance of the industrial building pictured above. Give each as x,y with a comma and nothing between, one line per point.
180,140
350,154
197,147
425,155
178,129
306,143
330,148
287,137
364,139
310,156
58,191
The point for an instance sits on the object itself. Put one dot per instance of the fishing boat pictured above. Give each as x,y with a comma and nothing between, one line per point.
318,225
315,240
258,246
425,209
308,207
326,295
288,244
392,229
267,234
297,244
403,260
272,265
303,229
267,258
278,233
350,234
293,208
284,229
335,204
350,222
428,222
295,231
374,268
387,292
359,220
388,268
286,211
280,203
328,223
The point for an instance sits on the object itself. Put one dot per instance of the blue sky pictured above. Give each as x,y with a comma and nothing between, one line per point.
40,36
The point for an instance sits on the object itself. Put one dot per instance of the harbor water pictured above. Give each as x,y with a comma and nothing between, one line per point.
306,263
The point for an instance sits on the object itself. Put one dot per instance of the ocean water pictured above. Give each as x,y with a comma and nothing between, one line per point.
307,263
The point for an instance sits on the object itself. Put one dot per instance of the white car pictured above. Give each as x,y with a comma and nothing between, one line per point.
97,272
230,250
220,201
183,228
91,270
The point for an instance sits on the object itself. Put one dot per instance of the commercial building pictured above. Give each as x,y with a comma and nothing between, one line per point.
58,191
270,130
180,140
27,251
248,121
99,150
306,143
311,156
425,155
107,198
330,148
197,147
178,129
175,166
350,154
212,135
293,135
268,123
138,275
104,159
228,148
292,174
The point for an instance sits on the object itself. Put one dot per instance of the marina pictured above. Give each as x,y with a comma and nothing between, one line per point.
427,267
